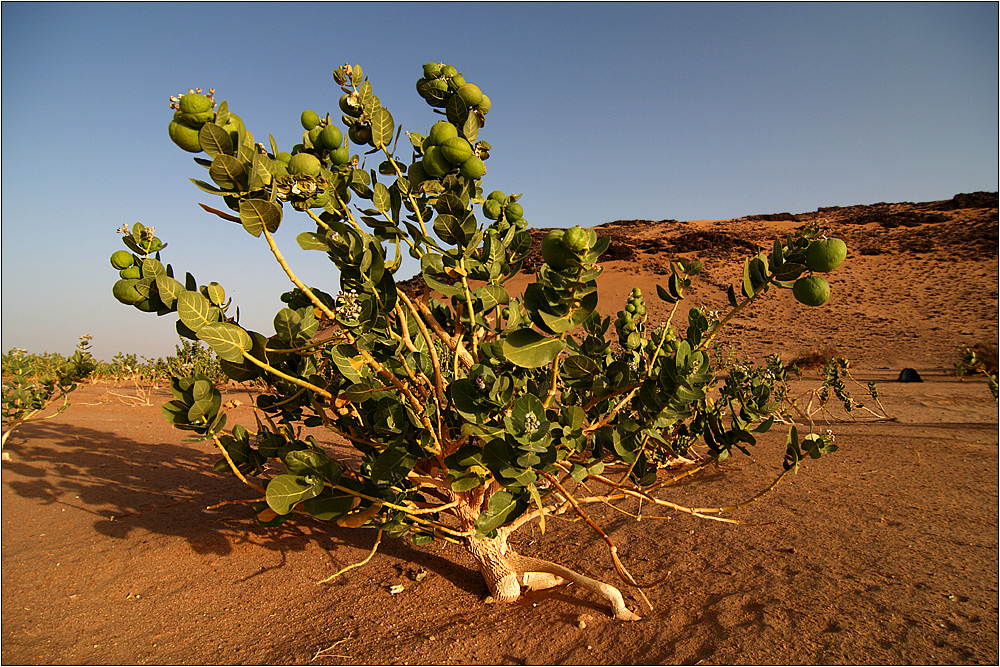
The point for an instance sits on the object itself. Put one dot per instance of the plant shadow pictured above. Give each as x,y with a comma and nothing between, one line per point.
134,487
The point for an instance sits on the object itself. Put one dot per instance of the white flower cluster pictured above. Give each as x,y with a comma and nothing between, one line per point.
531,422
347,305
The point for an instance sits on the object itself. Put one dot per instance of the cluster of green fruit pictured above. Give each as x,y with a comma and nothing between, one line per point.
323,137
128,289
564,249
504,210
442,85
631,320
192,111
822,256
444,151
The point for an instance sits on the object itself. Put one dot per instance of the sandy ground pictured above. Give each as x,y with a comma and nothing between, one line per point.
884,552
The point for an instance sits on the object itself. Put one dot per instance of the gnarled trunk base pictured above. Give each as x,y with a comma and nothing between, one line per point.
506,572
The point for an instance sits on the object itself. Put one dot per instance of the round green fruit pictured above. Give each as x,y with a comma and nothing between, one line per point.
131,273
484,105
824,255
576,239
472,168
184,136
304,163
432,70
456,82
340,156
121,259
196,119
124,290
314,135
283,157
811,290
448,71
456,150
470,94
492,209
441,132
513,211
309,119
195,103
498,197
636,293
330,138
435,164
554,250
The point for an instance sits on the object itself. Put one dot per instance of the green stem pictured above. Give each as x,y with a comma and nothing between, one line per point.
294,380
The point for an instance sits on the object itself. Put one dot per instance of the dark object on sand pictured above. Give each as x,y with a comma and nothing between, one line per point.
909,375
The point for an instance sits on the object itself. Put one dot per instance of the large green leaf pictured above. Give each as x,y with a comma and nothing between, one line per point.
308,462
393,464
492,296
169,289
286,324
380,198
529,349
382,127
312,241
503,507
328,507
214,140
286,491
228,172
227,340
194,311
257,215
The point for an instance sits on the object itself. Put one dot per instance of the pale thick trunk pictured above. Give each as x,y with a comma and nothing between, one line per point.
506,572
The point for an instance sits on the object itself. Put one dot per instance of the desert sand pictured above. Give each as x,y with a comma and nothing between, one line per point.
883,552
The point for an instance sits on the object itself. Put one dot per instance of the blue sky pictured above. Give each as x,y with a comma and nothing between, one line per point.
600,112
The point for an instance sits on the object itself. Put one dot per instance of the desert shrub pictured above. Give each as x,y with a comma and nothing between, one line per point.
474,411
33,382
979,360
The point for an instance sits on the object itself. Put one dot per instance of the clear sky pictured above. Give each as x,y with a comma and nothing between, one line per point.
600,112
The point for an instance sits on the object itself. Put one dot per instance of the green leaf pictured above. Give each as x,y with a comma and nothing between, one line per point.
151,268
205,187
491,296
465,484
309,462
194,310
214,140
393,464
312,241
529,349
259,214
215,293
228,172
503,507
227,340
470,129
287,324
381,198
579,366
286,491
382,127
169,290
443,288
328,507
